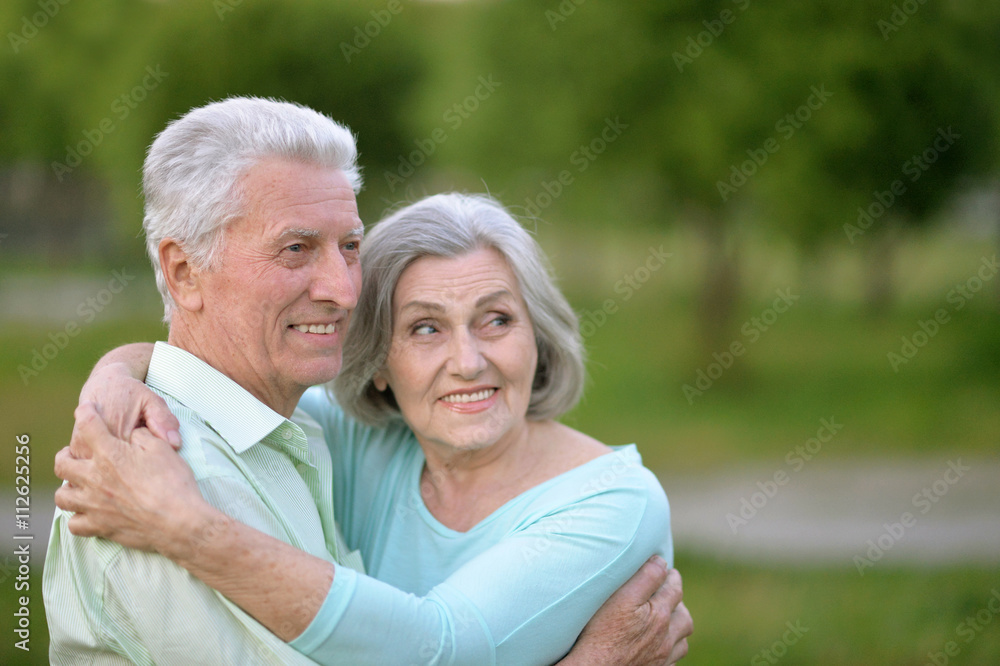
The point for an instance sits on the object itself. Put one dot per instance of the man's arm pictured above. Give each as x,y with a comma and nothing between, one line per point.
142,495
106,605
102,599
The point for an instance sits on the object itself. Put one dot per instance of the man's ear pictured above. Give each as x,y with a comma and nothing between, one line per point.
182,277
379,381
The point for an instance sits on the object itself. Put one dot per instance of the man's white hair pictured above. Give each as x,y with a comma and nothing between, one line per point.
191,177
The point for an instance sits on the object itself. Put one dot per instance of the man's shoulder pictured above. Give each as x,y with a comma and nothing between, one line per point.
203,448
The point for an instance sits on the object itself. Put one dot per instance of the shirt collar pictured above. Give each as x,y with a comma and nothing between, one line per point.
240,418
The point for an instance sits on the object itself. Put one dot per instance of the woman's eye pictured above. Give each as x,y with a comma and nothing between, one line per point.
499,320
424,329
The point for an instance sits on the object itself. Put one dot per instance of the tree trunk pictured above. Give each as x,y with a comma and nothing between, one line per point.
880,288
720,289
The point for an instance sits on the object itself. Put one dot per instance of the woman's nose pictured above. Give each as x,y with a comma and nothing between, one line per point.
466,357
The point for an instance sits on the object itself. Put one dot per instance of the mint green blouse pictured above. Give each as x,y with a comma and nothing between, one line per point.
517,588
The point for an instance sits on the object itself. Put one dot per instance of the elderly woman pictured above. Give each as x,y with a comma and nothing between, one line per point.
451,475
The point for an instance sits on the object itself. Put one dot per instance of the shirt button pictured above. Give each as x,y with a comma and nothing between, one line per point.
287,434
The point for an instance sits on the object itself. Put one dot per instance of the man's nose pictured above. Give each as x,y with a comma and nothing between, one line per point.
336,281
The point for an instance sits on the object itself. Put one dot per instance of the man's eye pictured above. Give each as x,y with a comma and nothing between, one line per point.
353,246
297,247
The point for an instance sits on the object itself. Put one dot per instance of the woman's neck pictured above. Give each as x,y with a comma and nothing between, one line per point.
461,487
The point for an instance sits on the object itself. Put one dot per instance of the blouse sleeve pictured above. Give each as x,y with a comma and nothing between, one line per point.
522,601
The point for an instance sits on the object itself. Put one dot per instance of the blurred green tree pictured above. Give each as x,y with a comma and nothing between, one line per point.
789,117
92,64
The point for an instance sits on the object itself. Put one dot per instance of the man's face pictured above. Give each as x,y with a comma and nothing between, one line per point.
288,280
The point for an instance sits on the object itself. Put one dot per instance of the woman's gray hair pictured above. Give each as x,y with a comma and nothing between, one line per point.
191,178
451,225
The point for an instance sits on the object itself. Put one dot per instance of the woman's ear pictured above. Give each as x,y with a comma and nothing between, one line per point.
379,381
183,279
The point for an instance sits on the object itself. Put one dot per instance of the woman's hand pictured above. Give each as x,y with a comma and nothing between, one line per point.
116,387
140,494
644,622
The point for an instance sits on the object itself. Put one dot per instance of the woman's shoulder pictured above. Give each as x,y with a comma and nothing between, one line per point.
589,468
617,465
342,431
611,497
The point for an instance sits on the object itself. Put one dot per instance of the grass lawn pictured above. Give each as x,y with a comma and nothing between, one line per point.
891,616
888,616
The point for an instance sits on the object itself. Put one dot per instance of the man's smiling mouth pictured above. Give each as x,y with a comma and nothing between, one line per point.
321,329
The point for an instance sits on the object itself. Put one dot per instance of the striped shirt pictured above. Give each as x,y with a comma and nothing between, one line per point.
107,604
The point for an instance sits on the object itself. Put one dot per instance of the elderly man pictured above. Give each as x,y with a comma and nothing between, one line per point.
253,232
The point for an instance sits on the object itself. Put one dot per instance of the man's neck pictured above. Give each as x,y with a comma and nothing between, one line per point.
227,361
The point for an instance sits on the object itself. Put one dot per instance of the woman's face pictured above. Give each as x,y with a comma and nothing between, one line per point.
463,355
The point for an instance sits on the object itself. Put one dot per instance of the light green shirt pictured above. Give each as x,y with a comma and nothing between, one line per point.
107,604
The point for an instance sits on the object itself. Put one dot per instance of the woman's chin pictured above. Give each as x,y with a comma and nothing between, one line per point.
463,440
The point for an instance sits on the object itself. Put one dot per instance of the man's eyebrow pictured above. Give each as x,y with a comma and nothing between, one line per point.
312,234
289,234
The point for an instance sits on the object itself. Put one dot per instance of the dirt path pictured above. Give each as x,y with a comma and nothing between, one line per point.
926,512
823,514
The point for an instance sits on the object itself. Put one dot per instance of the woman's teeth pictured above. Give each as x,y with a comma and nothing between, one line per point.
469,397
322,329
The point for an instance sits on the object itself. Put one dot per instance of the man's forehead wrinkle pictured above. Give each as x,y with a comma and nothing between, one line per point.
281,197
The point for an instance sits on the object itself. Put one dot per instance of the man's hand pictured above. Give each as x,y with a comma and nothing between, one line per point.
140,494
644,622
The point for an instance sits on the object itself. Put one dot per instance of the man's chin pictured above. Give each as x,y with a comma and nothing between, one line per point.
319,372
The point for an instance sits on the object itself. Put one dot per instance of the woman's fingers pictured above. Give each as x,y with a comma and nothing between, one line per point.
68,498
70,468
670,594
80,526
147,440
644,584
681,626
87,427
160,420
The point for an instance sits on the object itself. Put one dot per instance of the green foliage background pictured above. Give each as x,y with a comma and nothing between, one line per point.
699,89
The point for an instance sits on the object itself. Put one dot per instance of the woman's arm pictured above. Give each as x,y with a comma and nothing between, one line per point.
116,387
283,587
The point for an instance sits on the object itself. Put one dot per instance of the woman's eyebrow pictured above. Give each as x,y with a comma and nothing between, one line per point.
422,305
490,298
